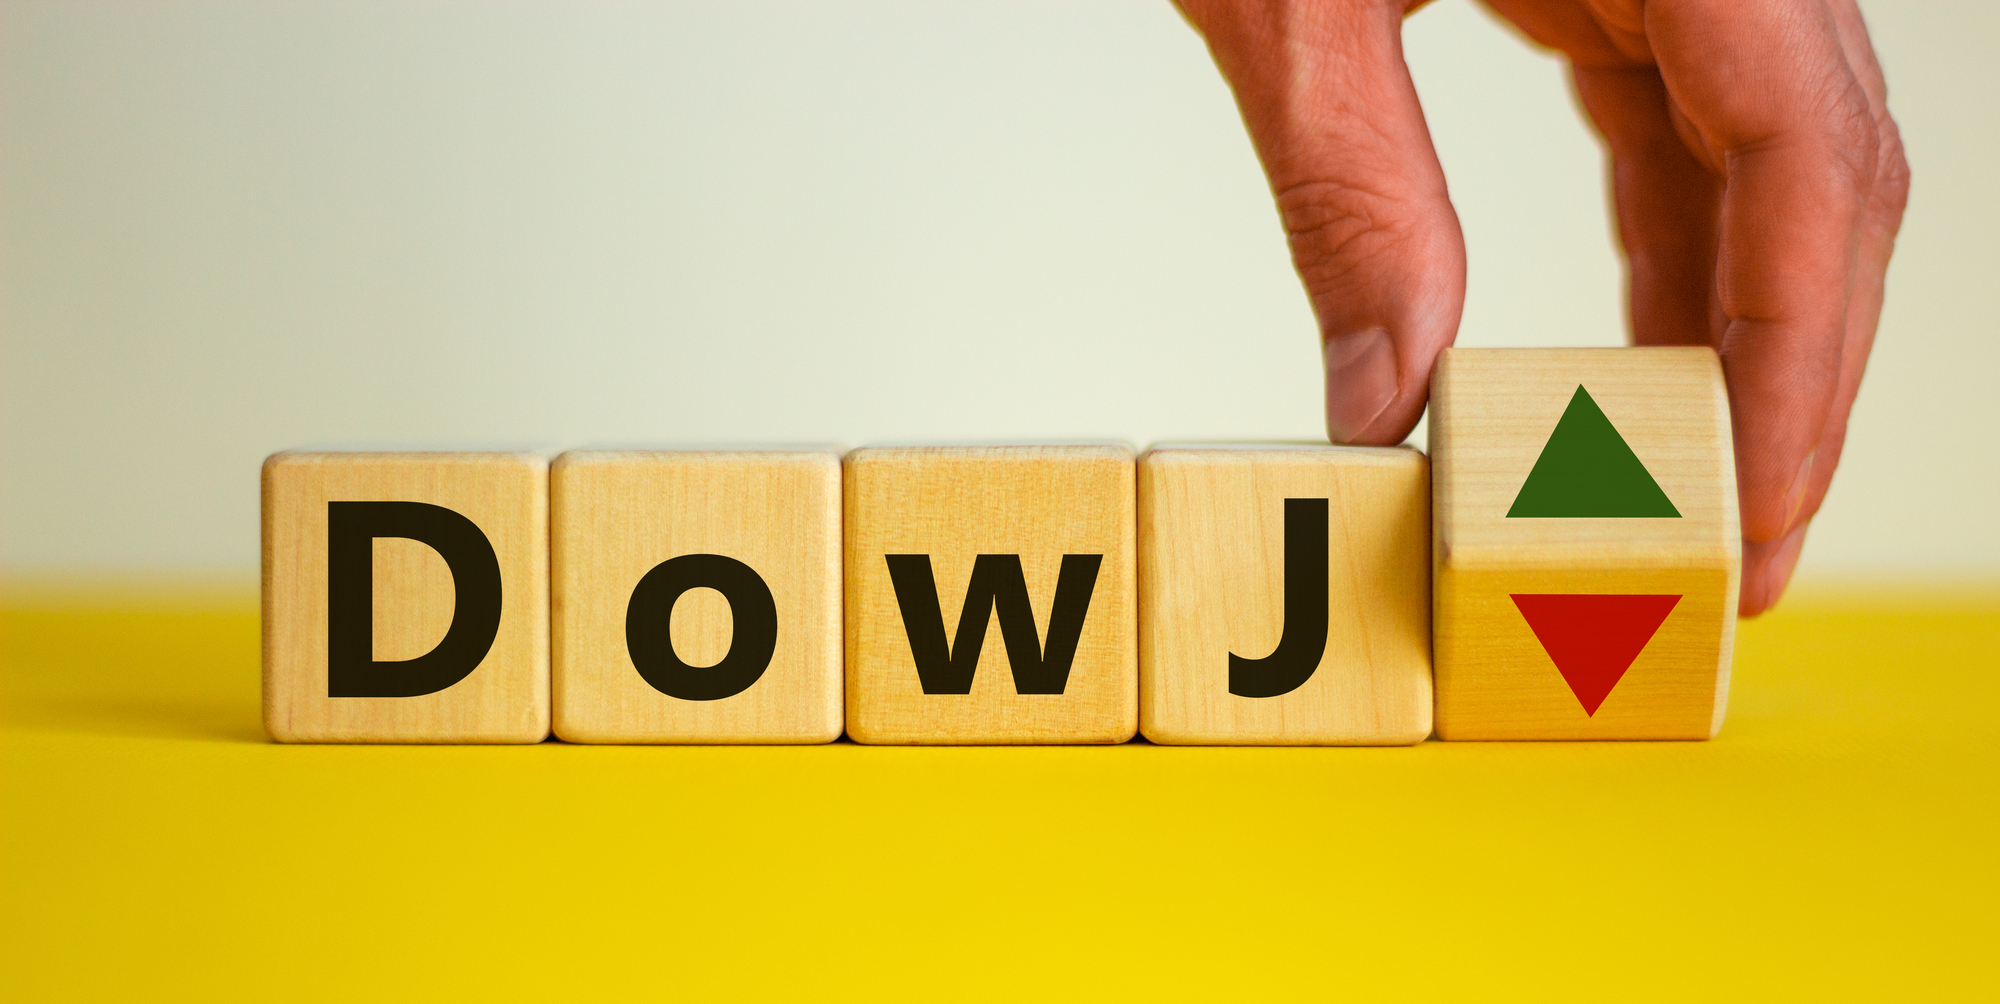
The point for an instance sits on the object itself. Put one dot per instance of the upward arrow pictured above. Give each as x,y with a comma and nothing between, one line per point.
1586,469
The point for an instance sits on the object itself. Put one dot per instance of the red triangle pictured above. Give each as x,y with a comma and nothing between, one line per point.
1593,637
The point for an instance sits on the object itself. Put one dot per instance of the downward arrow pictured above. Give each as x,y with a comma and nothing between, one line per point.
1594,637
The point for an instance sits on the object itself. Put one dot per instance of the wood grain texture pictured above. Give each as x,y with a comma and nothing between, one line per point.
1212,582
505,699
1492,412
954,504
619,514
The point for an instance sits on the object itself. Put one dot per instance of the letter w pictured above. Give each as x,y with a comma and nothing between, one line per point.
997,584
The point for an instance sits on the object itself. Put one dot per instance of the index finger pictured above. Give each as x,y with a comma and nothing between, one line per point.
1768,91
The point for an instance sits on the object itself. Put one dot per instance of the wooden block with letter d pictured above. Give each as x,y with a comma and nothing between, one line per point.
944,543
1284,595
697,596
406,597
1586,544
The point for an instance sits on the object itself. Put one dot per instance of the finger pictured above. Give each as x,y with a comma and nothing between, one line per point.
1666,200
1668,206
1767,568
1335,120
1769,92
1882,217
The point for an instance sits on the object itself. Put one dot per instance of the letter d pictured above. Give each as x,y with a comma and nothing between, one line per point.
351,667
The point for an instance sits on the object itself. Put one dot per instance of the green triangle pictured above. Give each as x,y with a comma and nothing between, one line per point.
1587,470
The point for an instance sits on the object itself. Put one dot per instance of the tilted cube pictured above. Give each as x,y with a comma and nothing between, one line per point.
1586,543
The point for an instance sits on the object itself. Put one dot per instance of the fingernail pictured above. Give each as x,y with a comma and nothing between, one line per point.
1360,381
1796,495
1778,571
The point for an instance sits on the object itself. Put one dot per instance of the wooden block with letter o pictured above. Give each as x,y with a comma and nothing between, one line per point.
991,595
1586,543
697,596
1284,595
406,597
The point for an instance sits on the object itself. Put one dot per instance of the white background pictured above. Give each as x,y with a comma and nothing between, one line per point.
234,228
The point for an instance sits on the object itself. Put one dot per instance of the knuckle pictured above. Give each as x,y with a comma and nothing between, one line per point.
1338,231
1892,174
1852,131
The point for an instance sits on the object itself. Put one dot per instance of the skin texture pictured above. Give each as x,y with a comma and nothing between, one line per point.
1758,177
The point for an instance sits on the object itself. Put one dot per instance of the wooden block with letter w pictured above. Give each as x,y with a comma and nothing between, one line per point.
946,544
1585,542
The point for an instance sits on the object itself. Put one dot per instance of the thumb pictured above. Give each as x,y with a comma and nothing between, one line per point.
1334,116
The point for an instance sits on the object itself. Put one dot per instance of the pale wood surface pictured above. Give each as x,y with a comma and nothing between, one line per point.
504,700
617,514
955,503
1212,583
1492,411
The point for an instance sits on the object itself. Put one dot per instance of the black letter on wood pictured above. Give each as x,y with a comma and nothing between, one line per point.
649,621
997,583
351,667
1303,642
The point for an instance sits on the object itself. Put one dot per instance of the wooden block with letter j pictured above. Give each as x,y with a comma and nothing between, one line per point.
991,595
697,596
406,597
1284,595
1586,543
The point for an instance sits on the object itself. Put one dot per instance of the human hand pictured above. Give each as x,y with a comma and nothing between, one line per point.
1759,183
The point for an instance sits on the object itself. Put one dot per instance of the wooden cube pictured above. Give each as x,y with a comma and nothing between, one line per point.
1284,595
406,597
1024,554
697,596
1586,544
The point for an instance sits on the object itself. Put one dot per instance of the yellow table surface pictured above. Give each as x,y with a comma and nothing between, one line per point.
1838,840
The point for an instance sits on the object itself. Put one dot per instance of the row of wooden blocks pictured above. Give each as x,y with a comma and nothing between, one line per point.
1563,566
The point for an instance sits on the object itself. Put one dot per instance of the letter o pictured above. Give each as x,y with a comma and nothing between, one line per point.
649,627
